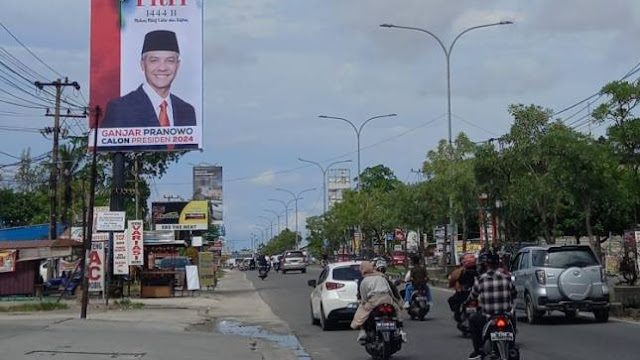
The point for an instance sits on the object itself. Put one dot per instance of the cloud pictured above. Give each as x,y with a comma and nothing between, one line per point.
265,178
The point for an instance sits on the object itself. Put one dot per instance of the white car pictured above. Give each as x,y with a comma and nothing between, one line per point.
334,298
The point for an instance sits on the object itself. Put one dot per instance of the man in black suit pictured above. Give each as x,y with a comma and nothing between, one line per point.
152,104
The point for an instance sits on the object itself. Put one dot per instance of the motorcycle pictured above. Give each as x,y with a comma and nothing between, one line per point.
464,314
383,334
500,335
418,306
262,272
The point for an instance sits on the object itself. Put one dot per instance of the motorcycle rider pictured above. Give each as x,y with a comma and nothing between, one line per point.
495,294
415,279
374,290
462,280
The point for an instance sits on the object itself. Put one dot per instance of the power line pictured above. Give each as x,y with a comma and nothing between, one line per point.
29,50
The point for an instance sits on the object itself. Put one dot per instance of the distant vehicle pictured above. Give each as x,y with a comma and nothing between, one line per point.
294,260
343,257
398,258
335,295
563,278
177,263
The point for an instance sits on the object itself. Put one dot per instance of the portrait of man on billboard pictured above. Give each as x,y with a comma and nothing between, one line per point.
152,104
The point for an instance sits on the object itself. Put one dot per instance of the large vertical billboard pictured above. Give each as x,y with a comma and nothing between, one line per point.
146,74
207,185
339,180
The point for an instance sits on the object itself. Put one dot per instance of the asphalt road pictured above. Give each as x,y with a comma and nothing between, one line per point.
437,337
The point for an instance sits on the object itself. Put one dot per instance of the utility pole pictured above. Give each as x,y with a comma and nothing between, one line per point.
136,170
53,182
92,201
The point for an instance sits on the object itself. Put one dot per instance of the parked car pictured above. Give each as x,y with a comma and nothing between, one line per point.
398,258
564,278
334,298
294,260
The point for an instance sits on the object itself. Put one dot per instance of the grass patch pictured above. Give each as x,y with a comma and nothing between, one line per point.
220,273
35,306
127,304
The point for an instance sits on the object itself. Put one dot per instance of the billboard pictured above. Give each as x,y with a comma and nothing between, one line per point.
96,266
146,74
181,215
120,258
135,243
339,180
207,185
7,261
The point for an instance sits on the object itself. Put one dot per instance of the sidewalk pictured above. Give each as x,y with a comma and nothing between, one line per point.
173,328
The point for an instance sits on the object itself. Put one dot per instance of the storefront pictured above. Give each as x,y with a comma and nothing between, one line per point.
20,263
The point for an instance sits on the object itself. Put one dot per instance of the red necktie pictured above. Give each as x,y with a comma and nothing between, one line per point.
163,118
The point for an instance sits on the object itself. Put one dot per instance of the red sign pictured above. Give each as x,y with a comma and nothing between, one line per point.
136,243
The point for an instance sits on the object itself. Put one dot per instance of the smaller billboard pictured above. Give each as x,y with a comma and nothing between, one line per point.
96,266
110,221
182,215
338,180
207,185
120,261
135,243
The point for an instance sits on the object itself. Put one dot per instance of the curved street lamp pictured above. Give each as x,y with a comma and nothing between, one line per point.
324,178
286,210
358,131
447,54
296,198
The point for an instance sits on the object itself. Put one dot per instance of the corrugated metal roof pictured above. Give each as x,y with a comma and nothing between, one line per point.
29,232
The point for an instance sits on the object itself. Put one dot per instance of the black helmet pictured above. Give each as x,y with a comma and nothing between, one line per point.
492,259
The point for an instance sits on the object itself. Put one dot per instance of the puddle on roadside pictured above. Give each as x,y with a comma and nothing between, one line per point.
289,342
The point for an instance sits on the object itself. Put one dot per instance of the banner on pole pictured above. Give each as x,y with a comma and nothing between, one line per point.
96,266
135,243
120,254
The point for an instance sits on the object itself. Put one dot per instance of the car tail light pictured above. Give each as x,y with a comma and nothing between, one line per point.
542,278
386,309
603,276
501,323
284,260
333,286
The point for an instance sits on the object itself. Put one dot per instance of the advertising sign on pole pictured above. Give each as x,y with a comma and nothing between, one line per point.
135,243
191,215
7,261
207,185
96,266
110,221
206,269
193,281
338,180
147,108
120,261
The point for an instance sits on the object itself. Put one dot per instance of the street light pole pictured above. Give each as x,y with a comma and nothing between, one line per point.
296,198
277,216
270,224
358,131
286,210
447,54
324,178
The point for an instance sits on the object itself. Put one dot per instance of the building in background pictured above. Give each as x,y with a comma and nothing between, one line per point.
207,185
339,180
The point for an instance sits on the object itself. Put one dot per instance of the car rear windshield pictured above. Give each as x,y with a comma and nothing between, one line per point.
564,258
294,254
347,273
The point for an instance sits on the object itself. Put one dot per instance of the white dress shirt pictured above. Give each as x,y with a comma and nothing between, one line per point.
156,100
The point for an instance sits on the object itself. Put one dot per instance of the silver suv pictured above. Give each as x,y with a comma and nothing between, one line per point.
563,278
293,260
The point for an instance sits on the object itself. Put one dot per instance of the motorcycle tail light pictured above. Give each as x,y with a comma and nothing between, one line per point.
501,323
473,304
541,277
333,286
386,310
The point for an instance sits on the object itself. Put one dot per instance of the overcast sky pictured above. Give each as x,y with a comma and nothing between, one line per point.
273,66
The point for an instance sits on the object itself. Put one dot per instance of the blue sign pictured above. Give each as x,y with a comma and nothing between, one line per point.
389,237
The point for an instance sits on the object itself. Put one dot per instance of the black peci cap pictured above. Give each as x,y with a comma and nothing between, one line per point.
160,40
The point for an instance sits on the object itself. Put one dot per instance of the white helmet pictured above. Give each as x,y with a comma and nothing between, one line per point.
380,263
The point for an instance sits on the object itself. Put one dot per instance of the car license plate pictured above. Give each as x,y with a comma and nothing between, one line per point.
501,336
385,325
